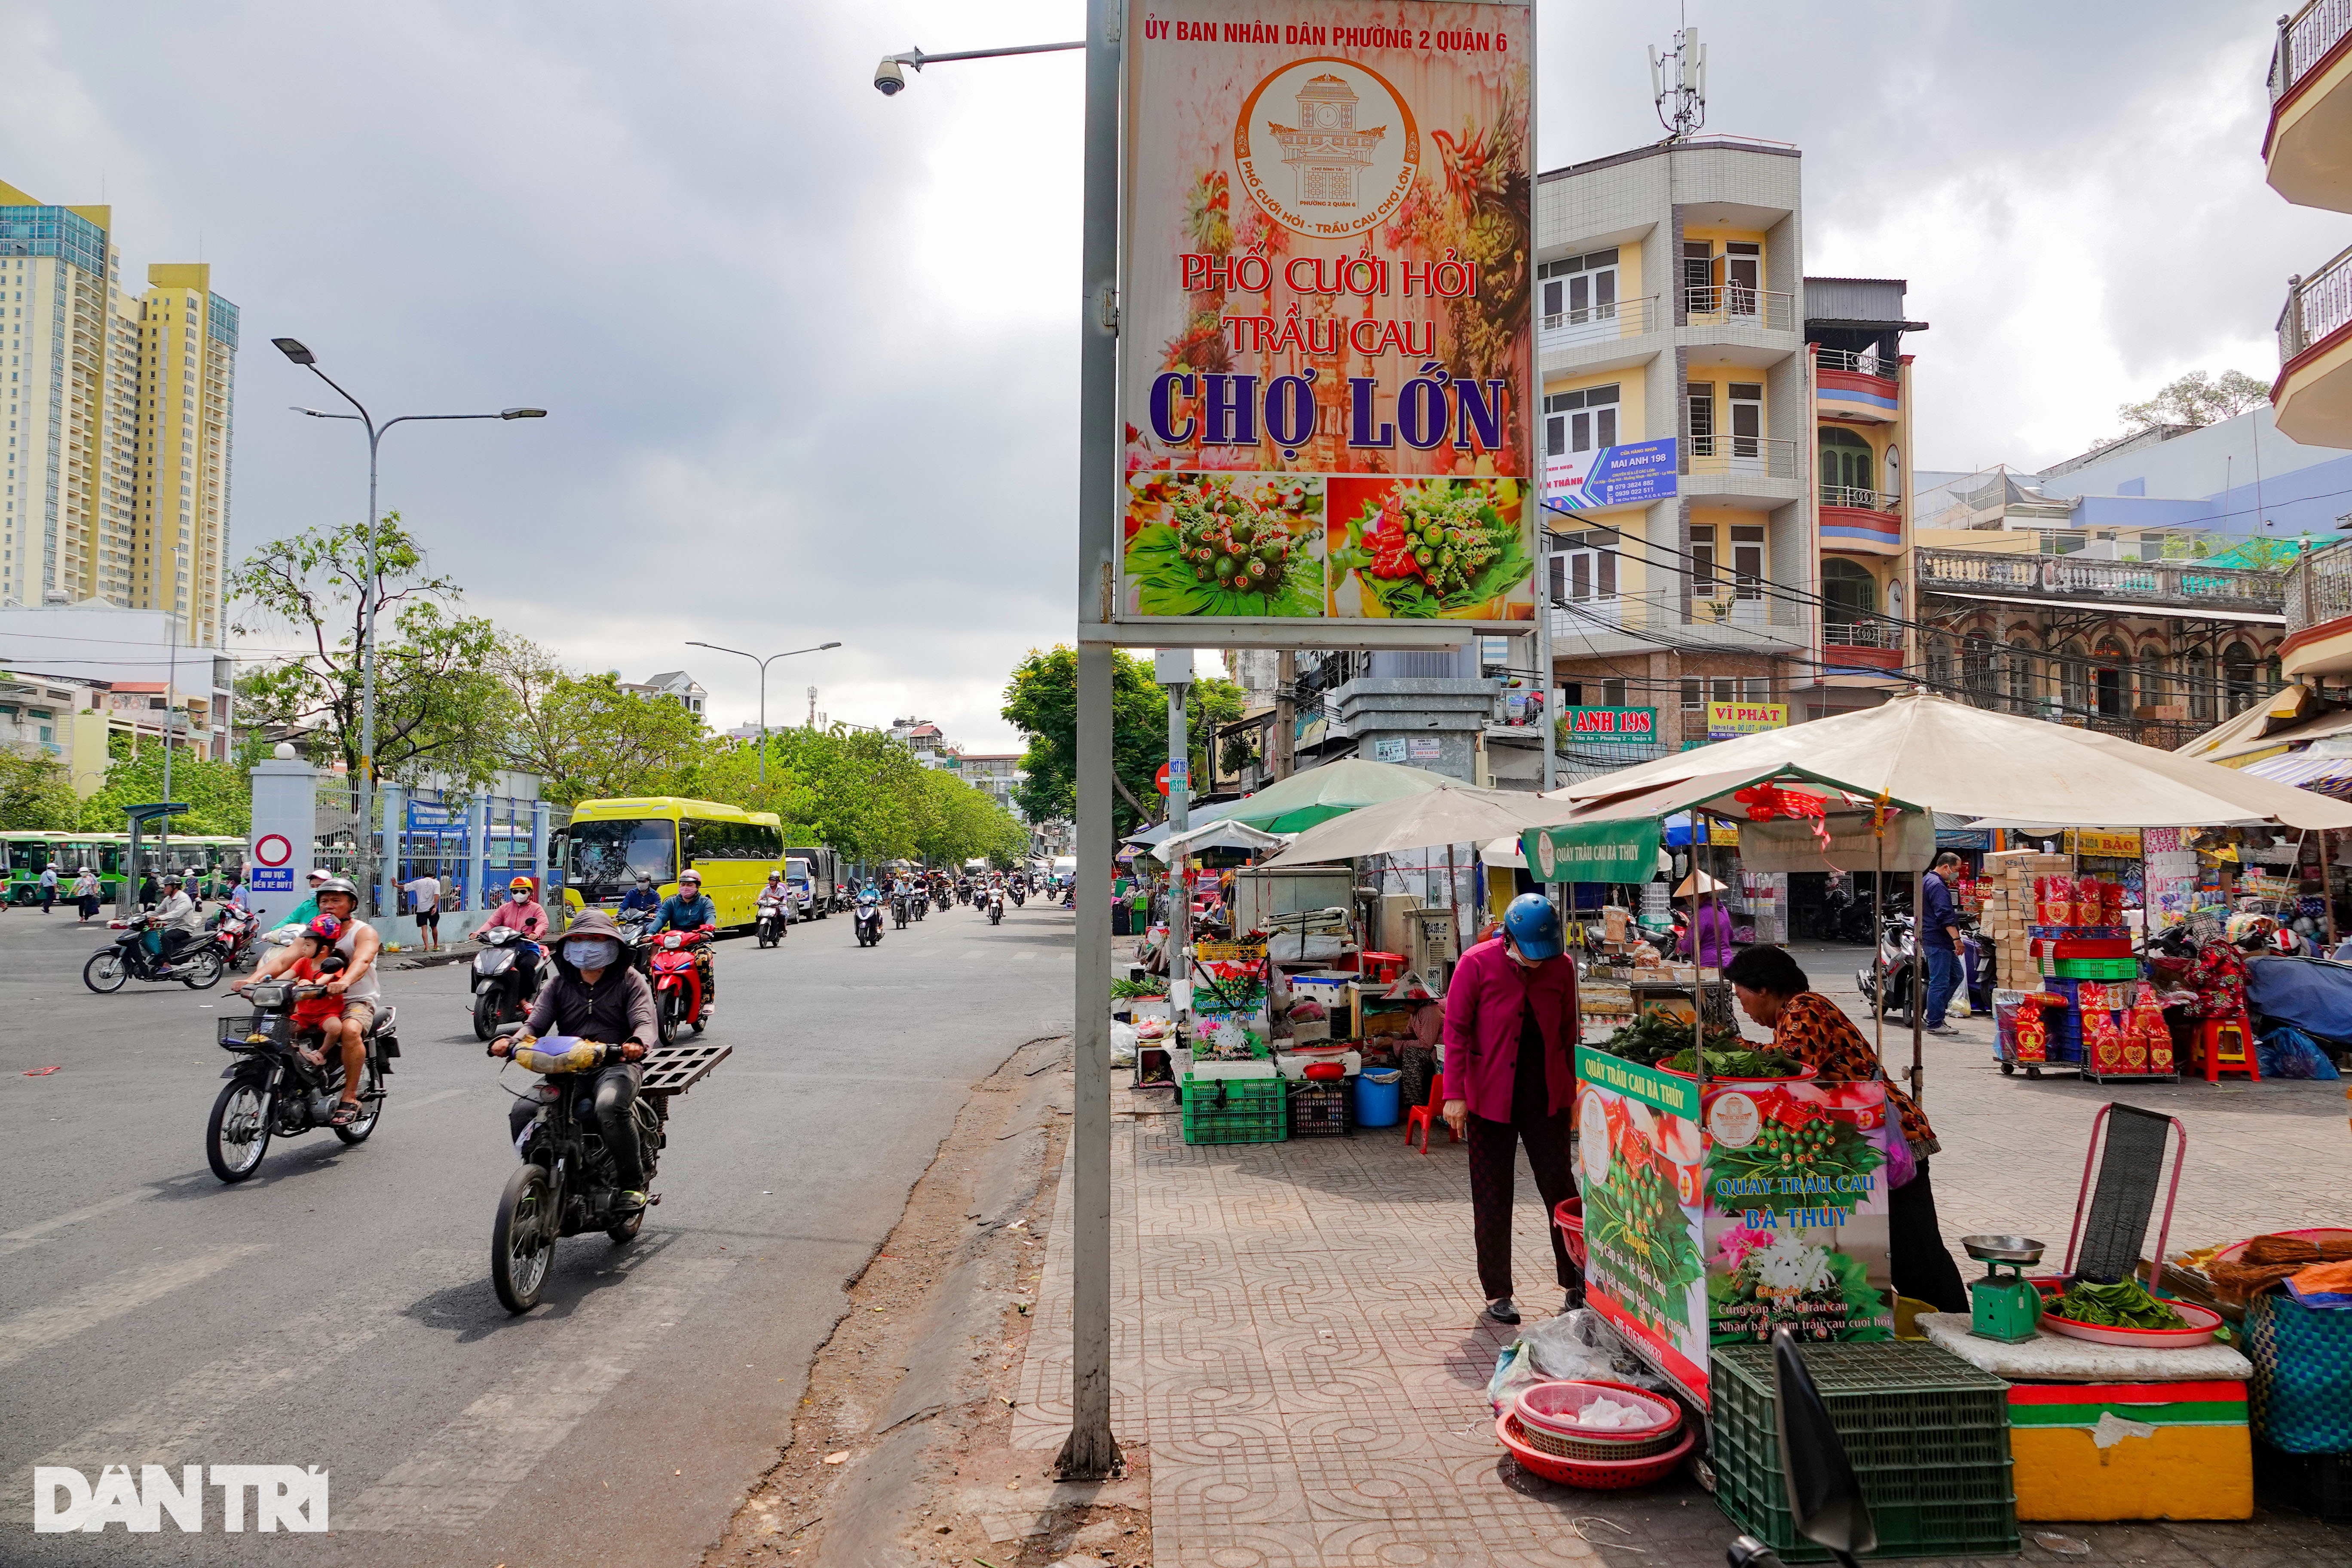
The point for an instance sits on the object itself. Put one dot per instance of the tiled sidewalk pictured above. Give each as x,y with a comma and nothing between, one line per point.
1299,1337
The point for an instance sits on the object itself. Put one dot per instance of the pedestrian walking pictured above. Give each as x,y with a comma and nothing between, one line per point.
425,908
49,887
85,895
1510,1022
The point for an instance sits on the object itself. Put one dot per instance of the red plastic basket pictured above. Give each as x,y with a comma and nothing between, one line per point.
1570,1217
1591,1475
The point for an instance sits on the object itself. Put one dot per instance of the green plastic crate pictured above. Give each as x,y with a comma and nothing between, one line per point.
1927,1435
2098,968
1235,1110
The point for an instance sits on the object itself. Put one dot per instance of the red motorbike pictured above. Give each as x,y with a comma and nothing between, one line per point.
676,974
234,932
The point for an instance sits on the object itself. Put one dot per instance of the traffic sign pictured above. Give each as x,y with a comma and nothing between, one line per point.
273,849
1177,771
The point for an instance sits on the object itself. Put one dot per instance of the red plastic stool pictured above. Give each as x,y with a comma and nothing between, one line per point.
1427,1118
2226,1046
1381,965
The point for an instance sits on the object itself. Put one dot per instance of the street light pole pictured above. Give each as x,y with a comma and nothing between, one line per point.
294,350
1091,1452
763,664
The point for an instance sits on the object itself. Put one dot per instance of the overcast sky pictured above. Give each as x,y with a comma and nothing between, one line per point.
808,353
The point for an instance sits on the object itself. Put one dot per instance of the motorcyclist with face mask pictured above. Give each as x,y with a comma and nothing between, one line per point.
594,995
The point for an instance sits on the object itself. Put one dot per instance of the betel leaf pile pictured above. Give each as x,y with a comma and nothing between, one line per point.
1228,548
1433,546
2122,1304
1653,1037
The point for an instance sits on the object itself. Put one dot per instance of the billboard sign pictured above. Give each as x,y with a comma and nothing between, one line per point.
1610,726
1326,373
1634,474
1725,720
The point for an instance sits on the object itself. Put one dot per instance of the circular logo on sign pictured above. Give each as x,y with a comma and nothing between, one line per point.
1326,147
273,849
1547,857
1592,1137
1734,1121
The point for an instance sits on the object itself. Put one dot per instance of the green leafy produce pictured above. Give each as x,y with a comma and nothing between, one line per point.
1653,1037
1224,551
1129,989
1741,1063
1435,546
2124,1304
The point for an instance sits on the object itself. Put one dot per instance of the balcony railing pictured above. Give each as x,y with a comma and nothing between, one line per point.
1855,496
1861,633
1763,457
1860,365
1767,614
1730,304
2319,586
2175,584
2304,40
1600,323
2316,306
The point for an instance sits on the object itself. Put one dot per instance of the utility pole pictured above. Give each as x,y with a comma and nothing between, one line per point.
1173,668
1286,713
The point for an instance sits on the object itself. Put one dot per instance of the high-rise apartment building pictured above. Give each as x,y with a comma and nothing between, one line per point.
119,421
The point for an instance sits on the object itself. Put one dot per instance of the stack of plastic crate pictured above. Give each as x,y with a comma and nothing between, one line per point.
1927,1433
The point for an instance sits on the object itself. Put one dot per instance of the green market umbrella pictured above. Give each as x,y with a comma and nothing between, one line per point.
1335,789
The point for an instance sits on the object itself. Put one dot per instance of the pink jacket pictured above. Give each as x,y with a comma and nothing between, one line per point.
528,919
1483,1007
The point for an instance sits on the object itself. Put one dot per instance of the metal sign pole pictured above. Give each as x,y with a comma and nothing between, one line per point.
1091,1453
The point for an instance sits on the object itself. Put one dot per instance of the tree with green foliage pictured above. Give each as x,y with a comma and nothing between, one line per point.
589,740
35,793
1040,700
219,794
2197,399
438,707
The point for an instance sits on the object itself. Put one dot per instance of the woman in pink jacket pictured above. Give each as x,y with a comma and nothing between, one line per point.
1511,1033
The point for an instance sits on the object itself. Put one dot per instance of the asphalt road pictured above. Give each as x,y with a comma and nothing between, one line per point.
336,1310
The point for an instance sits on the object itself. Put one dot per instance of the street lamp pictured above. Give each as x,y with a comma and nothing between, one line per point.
763,664
1091,1452
294,350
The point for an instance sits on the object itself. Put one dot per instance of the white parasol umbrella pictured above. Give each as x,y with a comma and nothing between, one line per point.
1451,814
1215,836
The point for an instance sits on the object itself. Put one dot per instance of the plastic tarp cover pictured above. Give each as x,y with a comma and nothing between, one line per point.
2314,995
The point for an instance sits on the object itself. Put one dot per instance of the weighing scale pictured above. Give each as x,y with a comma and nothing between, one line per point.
2004,1307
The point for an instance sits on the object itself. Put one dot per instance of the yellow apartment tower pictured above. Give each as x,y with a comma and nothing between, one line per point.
115,485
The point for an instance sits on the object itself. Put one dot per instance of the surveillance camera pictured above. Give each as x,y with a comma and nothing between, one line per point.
889,78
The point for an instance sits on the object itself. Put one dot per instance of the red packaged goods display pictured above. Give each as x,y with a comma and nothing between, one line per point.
2053,898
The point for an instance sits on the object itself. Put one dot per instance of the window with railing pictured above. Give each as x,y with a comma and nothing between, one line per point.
1866,362
1577,290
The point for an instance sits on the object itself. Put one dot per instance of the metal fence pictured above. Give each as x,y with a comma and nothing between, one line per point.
1861,364
2304,40
1728,304
1763,457
2319,586
1856,496
434,835
1862,633
1600,323
2181,585
2316,306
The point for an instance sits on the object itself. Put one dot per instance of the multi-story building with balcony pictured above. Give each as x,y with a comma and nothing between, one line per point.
2307,154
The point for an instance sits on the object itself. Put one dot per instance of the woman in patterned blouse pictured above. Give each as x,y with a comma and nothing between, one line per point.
1776,992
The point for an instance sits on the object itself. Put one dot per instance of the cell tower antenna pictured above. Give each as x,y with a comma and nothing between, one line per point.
811,723
1678,85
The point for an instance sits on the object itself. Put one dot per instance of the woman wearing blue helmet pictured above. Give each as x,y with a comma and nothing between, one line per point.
1510,1026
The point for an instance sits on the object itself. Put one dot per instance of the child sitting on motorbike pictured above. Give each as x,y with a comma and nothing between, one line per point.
324,1011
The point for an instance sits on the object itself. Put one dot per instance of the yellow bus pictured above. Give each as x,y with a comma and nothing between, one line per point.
610,843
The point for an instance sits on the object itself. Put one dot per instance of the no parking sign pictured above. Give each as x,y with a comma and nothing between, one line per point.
273,869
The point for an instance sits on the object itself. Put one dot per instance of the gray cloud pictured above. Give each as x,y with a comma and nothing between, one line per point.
810,353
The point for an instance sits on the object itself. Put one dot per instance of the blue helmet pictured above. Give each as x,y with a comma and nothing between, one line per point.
1533,925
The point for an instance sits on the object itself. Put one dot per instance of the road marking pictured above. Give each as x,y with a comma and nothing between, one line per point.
456,1476
1025,955
31,1235
21,1335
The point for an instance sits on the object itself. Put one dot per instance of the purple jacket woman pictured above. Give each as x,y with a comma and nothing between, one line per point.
1713,932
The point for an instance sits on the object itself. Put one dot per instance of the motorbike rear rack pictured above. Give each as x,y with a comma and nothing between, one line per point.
674,1069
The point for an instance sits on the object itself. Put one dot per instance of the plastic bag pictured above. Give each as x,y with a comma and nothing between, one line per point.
2287,1052
1122,1043
1514,1368
1582,1346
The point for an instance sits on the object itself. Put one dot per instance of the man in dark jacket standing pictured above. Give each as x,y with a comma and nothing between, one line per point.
1511,1028
595,995
1939,918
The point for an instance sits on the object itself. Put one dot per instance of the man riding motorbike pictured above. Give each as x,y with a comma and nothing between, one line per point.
775,902
593,995
356,983
643,897
689,910
178,922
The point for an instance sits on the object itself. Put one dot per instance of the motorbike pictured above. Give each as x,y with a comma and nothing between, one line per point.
566,1182
900,912
1019,889
198,965
505,979
996,906
1885,985
677,983
273,1092
235,932
1827,1506
921,903
773,919
869,919
1849,916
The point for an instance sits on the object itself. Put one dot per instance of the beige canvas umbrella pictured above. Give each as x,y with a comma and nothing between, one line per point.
1996,767
1451,813
1318,795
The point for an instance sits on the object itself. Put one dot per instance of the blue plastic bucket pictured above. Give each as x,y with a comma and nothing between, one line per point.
1378,1098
